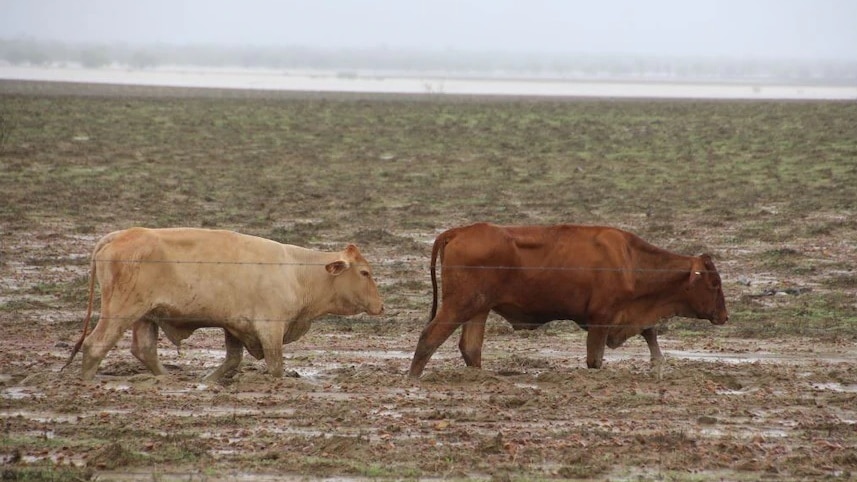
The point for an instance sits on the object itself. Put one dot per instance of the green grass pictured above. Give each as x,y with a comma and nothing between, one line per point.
822,315
761,185
47,474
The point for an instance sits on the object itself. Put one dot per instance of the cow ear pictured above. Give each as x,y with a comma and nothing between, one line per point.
695,276
351,250
696,270
336,268
709,263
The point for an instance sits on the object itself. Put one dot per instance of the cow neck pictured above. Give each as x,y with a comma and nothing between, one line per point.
314,282
662,276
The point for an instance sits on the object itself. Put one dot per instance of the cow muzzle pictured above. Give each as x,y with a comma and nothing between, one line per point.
719,318
375,310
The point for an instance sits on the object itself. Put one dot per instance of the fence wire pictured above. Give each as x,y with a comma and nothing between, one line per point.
409,266
400,293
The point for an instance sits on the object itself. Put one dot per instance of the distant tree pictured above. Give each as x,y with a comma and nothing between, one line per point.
26,54
14,56
93,58
143,60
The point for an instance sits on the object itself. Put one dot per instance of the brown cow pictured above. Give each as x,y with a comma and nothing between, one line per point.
262,293
610,282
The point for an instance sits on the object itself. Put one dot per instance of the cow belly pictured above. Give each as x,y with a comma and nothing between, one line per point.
619,334
174,333
178,325
251,343
295,330
187,318
521,319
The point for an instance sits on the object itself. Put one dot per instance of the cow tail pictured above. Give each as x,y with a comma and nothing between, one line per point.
88,312
436,250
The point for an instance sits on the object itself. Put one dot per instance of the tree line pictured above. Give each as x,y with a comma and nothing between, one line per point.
354,62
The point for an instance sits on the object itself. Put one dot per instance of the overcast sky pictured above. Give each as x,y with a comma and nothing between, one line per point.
791,29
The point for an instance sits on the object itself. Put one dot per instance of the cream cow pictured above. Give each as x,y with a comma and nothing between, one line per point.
262,293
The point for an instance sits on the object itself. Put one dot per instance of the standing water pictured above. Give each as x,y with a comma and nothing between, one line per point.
316,81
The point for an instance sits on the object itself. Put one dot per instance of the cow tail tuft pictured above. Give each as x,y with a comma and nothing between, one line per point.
88,312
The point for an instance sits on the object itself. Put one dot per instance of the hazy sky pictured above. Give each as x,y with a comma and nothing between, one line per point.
794,29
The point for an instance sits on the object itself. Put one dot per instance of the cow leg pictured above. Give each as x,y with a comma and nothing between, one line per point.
596,340
272,347
144,345
234,354
433,335
111,325
472,335
651,336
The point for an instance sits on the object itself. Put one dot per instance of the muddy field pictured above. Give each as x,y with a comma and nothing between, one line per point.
766,187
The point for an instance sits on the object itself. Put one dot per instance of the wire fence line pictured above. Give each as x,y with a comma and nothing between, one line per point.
426,297
404,265
323,318
719,356
400,293
835,325
410,294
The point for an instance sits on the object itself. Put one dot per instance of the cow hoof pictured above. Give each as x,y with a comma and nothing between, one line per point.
658,369
214,377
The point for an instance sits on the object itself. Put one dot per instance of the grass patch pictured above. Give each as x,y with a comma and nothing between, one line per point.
782,259
73,292
830,316
729,178
22,304
47,474
842,281
766,187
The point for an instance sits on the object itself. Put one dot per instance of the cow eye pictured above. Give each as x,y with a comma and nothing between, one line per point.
364,273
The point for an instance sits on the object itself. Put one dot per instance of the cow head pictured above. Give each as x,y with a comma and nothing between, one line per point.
355,289
705,293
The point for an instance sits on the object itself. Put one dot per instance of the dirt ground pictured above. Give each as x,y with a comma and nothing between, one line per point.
728,407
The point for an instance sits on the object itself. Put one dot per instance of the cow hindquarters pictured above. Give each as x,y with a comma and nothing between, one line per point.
234,354
115,319
433,335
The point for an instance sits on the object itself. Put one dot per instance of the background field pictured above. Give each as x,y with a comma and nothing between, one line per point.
767,187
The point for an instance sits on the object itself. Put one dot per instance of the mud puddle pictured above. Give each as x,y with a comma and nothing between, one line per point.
642,354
